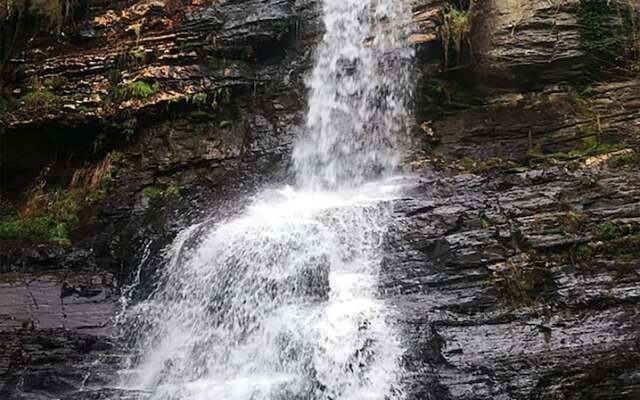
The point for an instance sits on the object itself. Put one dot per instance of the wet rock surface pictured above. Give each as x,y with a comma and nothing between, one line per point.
56,323
513,264
499,297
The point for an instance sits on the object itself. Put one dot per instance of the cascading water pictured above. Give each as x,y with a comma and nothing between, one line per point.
358,94
282,302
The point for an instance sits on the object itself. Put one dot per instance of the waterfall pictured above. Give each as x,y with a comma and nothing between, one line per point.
358,93
282,301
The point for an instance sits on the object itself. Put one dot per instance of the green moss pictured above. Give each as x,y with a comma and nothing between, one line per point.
588,146
50,224
116,157
86,110
54,83
186,46
485,223
31,228
606,230
527,279
157,192
614,243
138,57
50,216
575,98
201,115
535,152
63,207
623,160
136,90
281,27
626,248
584,251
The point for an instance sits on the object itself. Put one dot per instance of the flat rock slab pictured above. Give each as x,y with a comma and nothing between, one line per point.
59,299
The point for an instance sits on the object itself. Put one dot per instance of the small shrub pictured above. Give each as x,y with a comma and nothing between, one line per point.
152,192
517,287
172,191
588,181
4,104
572,222
524,282
199,99
221,96
95,197
140,90
54,82
39,98
63,207
456,28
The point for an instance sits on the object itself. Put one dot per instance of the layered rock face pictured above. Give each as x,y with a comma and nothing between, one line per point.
511,286
513,262
189,109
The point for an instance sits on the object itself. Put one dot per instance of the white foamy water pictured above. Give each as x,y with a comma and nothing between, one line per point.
282,302
358,97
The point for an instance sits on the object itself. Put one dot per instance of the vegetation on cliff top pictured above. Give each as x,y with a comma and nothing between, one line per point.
610,34
19,17
455,31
